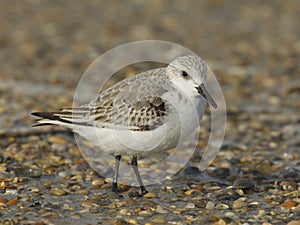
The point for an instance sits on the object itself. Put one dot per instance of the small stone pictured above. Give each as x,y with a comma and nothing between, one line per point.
237,204
12,202
289,204
243,183
212,188
3,200
161,210
98,182
49,214
240,192
294,222
3,205
222,206
233,194
42,211
190,205
62,174
254,205
35,190
158,220
83,192
200,204
112,211
49,170
219,222
150,195
221,173
188,221
261,213
7,222
48,184
230,215
193,192
145,212
97,198
57,139
113,195
210,205
131,221
125,211
40,223
288,185
115,205
59,147
58,192
27,171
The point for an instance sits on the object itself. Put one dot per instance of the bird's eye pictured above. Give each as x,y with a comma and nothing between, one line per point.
184,74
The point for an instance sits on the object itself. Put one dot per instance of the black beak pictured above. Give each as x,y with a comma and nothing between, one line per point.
203,91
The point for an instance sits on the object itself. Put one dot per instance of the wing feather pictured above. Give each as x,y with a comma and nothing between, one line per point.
135,103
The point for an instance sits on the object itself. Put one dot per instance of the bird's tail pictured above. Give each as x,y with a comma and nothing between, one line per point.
53,118
66,117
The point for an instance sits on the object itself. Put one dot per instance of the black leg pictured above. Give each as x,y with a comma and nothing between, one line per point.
134,165
116,173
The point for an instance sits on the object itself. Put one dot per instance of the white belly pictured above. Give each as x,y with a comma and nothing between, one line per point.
177,126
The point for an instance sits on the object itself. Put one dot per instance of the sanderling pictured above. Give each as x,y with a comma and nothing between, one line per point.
144,105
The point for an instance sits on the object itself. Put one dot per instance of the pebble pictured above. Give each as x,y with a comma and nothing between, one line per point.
115,205
190,205
113,195
219,222
125,211
131,221
230,215
98,182
237,204
7,222
289,204
288,185
145,212
161,210
221,206
158,220
210,205
12,202
211,188
254,205
62,174
261,213
150,195
193,192
3,200
98,197
243,183
35,190
28,171
58,192
221,172
294,222
83,192
57,140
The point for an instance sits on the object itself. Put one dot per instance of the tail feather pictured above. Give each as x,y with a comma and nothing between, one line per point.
59,118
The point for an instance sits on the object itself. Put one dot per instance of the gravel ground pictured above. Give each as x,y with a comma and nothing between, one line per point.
253,47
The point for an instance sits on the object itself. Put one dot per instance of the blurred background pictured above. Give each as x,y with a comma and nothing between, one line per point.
253,47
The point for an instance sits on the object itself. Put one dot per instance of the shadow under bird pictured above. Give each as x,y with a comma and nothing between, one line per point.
147,103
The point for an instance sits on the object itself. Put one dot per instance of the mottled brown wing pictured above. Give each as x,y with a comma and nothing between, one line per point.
135,103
